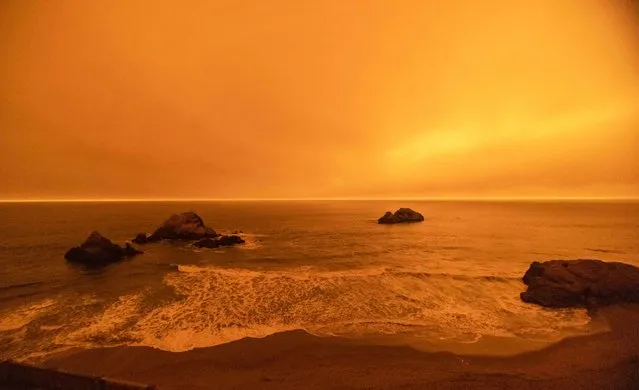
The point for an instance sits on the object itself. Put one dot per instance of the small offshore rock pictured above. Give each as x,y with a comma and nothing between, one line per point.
402,215
141,238
219,241
98,250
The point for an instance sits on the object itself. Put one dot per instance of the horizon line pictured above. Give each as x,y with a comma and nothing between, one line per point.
133,200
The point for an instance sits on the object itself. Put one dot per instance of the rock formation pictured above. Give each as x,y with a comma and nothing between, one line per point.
400,216
98,250
188,227
185,226
219,241
580,283
141,238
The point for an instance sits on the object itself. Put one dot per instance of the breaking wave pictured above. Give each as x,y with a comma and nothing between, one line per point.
218,305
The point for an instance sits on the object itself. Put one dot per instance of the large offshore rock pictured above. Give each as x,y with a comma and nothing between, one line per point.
185,226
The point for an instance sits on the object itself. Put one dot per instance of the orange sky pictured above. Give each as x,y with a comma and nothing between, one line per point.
331,98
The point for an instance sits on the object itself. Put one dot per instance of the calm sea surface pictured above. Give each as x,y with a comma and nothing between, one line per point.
322,266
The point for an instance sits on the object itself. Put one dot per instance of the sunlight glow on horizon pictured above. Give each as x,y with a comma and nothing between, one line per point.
389,199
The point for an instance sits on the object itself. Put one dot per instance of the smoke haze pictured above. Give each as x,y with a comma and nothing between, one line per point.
289,99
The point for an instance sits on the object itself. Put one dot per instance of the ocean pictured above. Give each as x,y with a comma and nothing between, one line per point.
325,267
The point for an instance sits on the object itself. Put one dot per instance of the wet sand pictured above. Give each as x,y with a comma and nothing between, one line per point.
296,360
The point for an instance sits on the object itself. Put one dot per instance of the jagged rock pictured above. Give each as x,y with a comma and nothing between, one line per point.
219,241
185,226
400,216
130,250
230,240
98,250
580,283
141,238
206,243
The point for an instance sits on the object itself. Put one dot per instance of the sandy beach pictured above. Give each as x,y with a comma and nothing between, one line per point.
293,360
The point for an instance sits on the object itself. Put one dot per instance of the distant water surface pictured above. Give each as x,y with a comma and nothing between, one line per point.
322,266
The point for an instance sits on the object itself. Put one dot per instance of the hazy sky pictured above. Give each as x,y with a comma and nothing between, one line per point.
327,98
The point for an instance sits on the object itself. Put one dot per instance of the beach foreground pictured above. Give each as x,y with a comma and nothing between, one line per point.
296,359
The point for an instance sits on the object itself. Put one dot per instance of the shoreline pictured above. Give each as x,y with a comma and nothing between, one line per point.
296,359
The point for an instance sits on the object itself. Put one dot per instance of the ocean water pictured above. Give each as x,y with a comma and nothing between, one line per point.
322,266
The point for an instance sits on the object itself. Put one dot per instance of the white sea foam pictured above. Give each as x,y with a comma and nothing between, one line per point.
218,305
251,241
18,318
110,326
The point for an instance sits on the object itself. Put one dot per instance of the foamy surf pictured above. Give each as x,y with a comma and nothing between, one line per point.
219,305
110,326
251,241
21,317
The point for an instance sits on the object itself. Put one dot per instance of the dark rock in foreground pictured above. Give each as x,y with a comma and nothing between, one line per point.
185,226
580,283
400,216
219,241
98,250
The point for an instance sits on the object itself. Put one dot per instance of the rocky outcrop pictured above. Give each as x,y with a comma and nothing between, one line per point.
185,226
230,240
219,241
130,250
580,283
98,250
400,216
141,238
188,227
